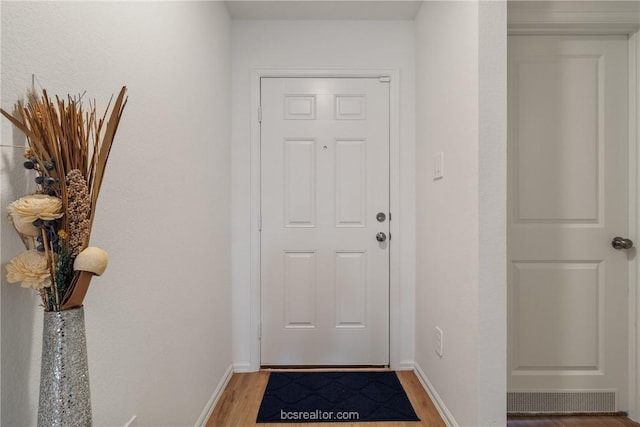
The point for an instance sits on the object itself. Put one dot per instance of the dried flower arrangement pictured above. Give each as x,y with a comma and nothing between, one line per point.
68,150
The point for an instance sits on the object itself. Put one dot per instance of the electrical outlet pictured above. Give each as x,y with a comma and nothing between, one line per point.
438,341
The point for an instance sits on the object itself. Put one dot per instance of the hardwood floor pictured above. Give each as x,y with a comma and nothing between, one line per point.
239,403
238,406
568,420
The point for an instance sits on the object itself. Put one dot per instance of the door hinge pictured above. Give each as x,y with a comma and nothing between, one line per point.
259,222
389,236
259,331
385,79
259,114
389,216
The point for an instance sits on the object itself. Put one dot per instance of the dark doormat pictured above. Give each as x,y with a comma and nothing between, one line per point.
316,397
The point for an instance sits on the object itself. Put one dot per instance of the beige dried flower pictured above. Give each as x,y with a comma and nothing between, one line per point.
31,269
78,211
24,227
36,206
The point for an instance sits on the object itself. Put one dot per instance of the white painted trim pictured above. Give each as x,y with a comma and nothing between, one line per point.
634,223
211,404
562,17
405,365
394,199
242,367
394,225
256,172
445,414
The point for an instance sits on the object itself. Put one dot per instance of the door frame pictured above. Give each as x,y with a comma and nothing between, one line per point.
634,223
394,199
600,18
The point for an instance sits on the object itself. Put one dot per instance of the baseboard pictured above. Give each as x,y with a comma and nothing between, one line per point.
435,398
242,367
211,404
406,365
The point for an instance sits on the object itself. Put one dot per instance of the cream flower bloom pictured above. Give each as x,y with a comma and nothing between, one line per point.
36,206
31,269
24,227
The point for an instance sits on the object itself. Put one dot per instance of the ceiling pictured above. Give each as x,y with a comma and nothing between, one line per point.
323,9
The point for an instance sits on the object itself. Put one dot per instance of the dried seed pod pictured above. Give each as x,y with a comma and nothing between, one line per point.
78,211
93,260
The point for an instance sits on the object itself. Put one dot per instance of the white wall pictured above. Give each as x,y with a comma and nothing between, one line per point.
159,338
460,279
319,45
492,220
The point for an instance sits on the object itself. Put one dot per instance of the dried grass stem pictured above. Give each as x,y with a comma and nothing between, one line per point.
63,133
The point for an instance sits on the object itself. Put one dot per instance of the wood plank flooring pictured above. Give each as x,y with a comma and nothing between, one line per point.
238,406
568,421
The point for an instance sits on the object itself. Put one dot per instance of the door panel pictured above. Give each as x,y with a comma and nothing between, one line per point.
568,190
325,177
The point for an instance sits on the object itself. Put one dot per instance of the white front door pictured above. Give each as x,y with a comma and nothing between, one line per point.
568,198
325,198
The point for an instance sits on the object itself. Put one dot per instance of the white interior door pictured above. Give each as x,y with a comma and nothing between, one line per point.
325,180
568,198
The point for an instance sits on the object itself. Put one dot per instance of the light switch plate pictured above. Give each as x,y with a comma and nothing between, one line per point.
439,345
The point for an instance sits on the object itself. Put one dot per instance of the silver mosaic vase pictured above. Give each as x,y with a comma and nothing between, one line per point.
65,400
